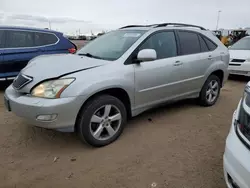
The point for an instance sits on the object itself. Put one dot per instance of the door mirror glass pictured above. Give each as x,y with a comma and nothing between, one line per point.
147,55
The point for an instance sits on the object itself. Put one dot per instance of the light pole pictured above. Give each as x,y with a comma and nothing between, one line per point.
49,25
218,19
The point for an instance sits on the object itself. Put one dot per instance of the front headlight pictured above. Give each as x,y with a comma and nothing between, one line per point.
52,88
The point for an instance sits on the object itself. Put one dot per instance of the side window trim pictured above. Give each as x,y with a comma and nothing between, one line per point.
198,33
7,35
130,58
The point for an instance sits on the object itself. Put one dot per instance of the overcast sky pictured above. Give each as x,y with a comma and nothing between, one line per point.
86,15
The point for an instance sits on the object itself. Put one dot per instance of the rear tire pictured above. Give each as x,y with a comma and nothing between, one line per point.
101,121
210,91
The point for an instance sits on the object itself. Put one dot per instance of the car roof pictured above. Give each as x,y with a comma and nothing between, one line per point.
30,29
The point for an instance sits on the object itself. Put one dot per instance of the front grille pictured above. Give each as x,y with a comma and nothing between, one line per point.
21,80
238,60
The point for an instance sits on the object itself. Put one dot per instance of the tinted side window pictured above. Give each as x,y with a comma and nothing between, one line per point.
42,39
189,43
163,43
1,38
203,45
212,46
18,39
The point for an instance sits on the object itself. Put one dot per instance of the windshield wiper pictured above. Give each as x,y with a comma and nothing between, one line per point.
89,55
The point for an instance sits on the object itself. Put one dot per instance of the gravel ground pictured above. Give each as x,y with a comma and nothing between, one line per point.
178,145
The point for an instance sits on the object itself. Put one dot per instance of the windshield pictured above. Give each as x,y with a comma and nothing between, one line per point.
112,45
243,44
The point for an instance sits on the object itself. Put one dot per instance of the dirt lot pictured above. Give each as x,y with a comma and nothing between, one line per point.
181,147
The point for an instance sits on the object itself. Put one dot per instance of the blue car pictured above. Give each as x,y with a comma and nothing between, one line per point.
18,45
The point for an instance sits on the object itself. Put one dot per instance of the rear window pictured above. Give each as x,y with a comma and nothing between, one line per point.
189,43
203,44
18,39
1,38
42,39
212,46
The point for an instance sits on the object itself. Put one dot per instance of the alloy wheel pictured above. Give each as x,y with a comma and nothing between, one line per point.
105,122
212,91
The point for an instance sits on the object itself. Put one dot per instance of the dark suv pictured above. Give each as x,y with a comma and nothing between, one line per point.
18,45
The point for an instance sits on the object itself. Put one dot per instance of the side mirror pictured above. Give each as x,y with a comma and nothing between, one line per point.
146,55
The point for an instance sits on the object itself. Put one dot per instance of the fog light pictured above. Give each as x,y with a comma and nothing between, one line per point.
49,117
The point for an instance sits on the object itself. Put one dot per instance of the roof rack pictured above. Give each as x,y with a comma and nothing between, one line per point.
128,26
179,25
164,25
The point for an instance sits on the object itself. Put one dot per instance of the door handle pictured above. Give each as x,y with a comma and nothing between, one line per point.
210,57
178,63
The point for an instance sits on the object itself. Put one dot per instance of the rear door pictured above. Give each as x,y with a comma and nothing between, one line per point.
2,41
196,58
19,50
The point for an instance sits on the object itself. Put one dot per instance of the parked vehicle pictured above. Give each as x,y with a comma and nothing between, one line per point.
119,75
18,45
237,149
238,34
240,57
218,33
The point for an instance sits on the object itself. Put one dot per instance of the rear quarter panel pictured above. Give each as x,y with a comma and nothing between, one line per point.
221,57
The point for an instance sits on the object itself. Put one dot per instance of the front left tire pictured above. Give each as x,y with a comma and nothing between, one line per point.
102,120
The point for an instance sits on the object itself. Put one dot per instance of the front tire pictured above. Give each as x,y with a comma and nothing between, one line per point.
102,120
210,91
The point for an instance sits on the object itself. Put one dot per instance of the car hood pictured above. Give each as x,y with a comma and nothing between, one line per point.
51,66
54,66
239,54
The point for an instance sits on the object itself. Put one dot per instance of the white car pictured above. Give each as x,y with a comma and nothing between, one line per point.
236,160
240,57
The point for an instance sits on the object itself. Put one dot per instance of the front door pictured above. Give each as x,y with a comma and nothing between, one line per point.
157,81
20,49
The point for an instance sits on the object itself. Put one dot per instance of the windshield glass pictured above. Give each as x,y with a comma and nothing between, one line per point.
112,45
243,44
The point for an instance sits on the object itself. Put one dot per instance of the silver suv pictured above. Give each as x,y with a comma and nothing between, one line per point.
117,76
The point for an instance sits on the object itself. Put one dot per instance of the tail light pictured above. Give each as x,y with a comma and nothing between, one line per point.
72,50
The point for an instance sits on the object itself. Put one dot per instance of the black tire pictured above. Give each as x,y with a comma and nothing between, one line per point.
85,115
203,101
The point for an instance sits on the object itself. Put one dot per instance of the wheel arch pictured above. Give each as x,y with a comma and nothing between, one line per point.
117,92
220,74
